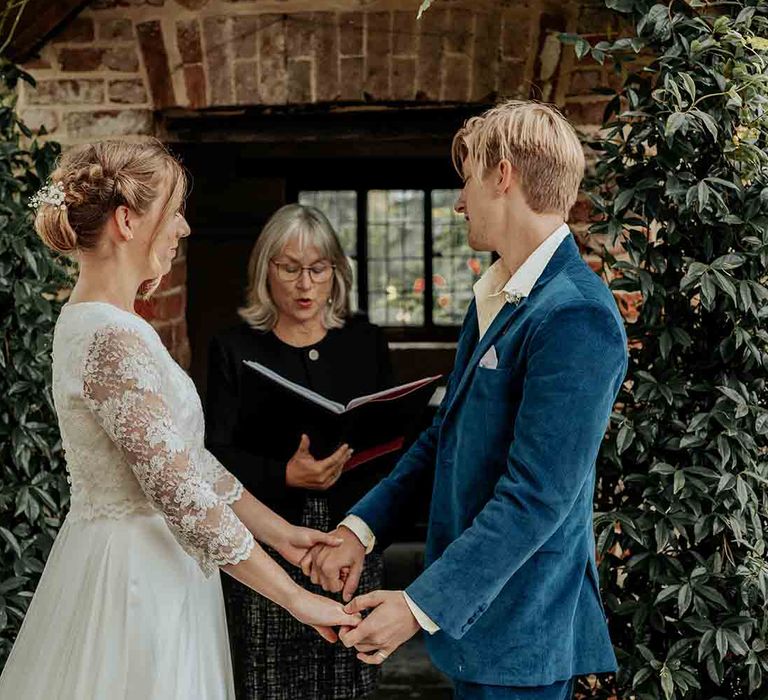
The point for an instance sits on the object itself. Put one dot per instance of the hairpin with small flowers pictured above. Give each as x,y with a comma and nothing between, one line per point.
51,194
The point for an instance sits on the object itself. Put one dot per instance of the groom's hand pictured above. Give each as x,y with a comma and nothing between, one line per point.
295,543
390,624
337,568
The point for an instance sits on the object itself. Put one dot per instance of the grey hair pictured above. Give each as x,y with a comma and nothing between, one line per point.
311,227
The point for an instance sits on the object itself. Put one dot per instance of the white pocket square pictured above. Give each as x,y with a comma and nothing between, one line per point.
490,360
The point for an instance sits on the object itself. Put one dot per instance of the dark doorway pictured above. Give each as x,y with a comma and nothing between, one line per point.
245,166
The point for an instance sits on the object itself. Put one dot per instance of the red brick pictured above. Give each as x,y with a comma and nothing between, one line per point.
584,82
108,4
517,33
188,39
351,34
299,81
37,63
458,38
194,78
432,27
179,331
586,112
485,68
456,85
404,33
326,58
181,351
596,19
116,29
80,30
109,123
352,68
403,78
217,32
245,37
127,91
165,331
80,59
512,80
170,306
152,43
66,92
614,80
273,73
378,50
146,309
247,82
122,59
301,34
35,119
178,273
580,212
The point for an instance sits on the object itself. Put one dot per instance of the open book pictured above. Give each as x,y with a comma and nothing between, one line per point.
373,425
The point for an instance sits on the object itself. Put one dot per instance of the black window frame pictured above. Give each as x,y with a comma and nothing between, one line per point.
425,175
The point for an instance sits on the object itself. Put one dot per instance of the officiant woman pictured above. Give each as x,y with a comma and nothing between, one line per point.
296,321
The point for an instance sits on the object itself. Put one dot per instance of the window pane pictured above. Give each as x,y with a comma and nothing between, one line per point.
395,230
455,266
340,206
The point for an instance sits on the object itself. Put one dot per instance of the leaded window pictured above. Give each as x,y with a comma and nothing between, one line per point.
419,269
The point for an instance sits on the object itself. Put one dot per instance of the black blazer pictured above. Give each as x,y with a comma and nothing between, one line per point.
350,361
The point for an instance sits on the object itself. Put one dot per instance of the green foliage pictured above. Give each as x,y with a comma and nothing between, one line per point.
681,182
33,488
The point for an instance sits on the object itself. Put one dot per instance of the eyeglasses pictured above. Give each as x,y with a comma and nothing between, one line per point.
290,272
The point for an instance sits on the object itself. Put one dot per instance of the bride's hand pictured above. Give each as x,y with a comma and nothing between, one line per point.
323,614
295,542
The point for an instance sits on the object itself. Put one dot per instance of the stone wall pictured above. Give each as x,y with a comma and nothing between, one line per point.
119,62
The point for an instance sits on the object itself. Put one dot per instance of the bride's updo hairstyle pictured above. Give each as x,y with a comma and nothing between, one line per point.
95,179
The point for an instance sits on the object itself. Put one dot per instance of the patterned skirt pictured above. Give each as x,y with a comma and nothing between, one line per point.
275,657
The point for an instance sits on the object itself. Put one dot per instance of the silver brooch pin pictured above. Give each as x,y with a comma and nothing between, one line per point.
513,297
52,194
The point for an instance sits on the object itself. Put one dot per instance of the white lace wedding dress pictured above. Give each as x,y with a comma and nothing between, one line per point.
129,605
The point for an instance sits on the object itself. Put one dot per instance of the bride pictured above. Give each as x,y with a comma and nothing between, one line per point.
129,605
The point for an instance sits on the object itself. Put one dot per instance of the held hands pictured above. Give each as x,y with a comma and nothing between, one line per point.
323,614
296,543
304,471
336,568
390,624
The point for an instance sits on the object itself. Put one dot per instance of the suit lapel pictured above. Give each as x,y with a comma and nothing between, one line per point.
496,329
466,359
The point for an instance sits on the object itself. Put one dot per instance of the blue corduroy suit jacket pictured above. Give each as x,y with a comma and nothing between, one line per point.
510,573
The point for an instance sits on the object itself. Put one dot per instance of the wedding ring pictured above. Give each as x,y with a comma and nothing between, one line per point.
382,654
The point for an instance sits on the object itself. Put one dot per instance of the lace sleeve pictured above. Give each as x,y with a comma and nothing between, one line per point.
121,385
226,486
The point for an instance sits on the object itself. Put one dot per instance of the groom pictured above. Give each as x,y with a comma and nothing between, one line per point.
509,595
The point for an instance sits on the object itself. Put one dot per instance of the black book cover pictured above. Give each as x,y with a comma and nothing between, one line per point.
372,425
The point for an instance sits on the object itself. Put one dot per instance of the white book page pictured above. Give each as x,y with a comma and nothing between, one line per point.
397,391
313,396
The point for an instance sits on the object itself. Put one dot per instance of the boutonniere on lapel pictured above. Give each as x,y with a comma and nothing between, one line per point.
513,298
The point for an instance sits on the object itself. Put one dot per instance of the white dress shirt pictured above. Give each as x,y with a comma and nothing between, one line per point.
494,289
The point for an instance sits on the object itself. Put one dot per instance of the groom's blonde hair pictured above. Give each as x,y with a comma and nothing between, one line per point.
537,140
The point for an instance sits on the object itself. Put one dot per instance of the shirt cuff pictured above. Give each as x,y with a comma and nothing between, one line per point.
421,617
361,530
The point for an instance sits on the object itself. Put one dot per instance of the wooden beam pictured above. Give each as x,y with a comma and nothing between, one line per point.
392,129
40,20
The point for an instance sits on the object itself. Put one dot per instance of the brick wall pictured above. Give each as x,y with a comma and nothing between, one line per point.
117,63
120,60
